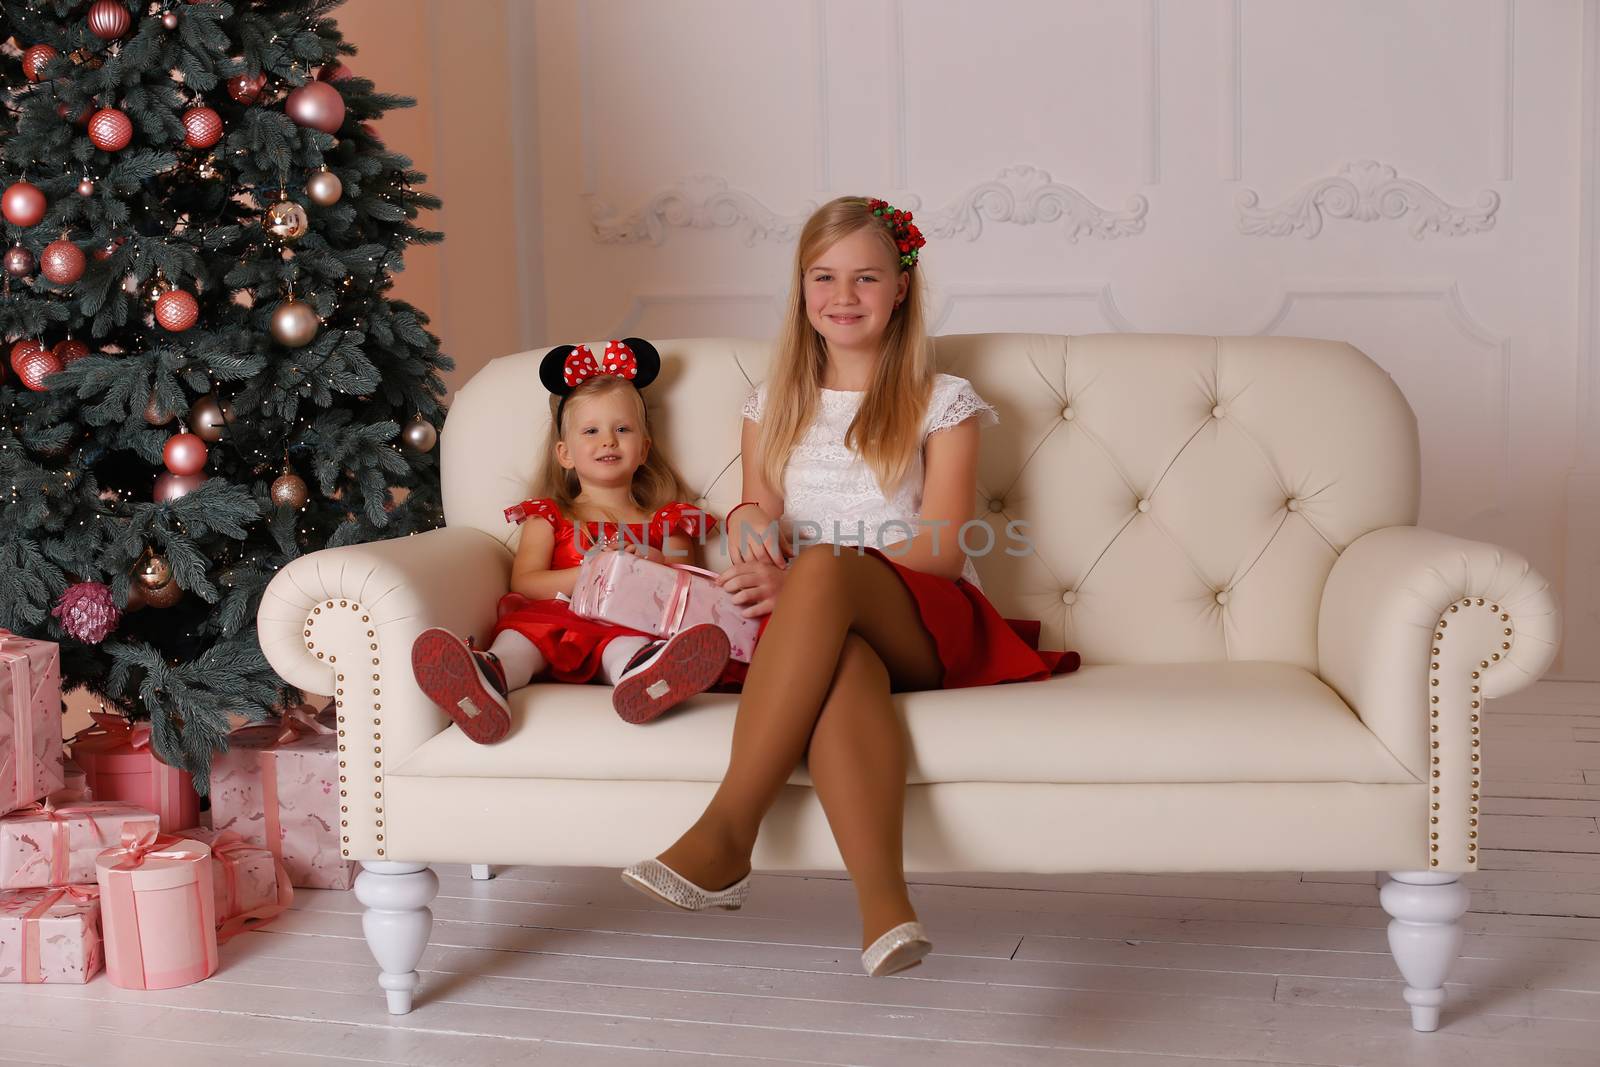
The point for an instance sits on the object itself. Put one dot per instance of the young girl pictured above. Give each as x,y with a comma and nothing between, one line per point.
852,427
611,492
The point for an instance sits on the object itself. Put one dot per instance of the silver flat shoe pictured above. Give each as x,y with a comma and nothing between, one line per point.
902,947
662,882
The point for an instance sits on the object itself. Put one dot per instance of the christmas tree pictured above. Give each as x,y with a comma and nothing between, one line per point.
208,377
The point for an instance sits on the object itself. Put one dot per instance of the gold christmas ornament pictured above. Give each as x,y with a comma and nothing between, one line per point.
286,220
324,188
207,418
164,596
154,571
289,490
419,435
295,323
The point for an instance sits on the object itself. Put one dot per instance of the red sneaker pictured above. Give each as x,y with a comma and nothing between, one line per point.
663,674
468,685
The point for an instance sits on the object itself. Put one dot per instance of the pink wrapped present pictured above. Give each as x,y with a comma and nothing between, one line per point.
278,786
119,764
50,935
55,845
30,720
159,911
252,887
74,786
654,598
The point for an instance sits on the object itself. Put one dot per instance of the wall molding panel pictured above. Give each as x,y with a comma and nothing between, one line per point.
701,202
1365,191
1026,196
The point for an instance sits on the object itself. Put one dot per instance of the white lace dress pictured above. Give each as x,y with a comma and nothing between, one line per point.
830,488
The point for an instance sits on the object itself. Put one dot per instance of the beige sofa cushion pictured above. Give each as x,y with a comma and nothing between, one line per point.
1194,722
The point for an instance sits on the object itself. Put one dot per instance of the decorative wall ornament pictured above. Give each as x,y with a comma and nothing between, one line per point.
1027,195
701,201
1365,191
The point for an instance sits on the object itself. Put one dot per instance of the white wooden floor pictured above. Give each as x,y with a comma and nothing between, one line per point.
569,967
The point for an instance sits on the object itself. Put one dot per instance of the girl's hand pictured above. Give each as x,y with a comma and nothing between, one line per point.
754,537
754,585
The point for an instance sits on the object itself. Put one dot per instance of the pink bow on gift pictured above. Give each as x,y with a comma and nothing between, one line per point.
140,845
300,721
111,726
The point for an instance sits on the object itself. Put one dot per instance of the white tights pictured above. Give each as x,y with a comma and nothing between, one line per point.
521,660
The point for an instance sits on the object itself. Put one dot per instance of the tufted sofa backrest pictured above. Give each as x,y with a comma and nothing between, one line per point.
1164,498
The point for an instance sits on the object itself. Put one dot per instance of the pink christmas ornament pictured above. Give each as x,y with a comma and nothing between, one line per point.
170,487
87,612
184,454
318,105
23,204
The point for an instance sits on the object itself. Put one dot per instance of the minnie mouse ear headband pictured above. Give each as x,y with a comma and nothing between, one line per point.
566,367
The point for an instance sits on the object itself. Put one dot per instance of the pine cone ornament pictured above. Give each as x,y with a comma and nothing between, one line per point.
87,612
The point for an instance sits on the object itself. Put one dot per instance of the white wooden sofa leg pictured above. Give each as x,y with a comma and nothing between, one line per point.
397,923
1424,936
481,872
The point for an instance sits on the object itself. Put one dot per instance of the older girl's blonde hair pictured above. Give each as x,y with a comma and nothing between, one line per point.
887,430
655,483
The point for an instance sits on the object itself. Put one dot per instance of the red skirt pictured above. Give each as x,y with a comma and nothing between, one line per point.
976,645
571,644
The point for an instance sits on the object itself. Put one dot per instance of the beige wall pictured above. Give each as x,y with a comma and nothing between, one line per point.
460,135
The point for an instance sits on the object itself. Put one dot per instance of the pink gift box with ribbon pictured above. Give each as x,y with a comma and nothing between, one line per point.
278,786
50,935
158,910
30,720
654,598
119,764
252,887
55,845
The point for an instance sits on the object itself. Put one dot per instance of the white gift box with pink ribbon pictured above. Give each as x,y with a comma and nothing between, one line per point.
278,786
55,845
30,720
50,935
158,910
119,764
654,598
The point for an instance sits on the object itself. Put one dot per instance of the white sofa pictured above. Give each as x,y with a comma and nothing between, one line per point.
1281,670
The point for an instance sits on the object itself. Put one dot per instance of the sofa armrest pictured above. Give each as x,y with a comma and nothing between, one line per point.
1413,619
342,621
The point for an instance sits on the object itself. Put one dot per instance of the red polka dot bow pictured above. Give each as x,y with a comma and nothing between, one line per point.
581,365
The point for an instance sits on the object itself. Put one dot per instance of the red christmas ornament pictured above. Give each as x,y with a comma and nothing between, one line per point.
246,88
107,250
70,351
108,19
177,310
35,366
35,59
23,204
334,72
21,349
202,127
110,130
62,262
184,454
80,119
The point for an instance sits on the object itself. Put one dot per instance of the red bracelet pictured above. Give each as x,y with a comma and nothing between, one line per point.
736,507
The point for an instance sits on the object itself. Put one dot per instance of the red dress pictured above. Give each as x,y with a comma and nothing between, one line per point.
572,645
